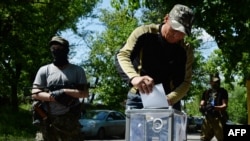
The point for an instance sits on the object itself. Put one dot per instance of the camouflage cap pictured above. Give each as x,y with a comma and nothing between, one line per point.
60,40
181,18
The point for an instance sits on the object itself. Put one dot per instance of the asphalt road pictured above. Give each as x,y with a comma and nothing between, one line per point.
190,137
196,137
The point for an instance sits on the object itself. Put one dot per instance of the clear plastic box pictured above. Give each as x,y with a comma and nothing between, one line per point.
155,125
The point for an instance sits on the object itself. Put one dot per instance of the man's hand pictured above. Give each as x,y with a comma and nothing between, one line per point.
209,108
62,98
145,84
56,93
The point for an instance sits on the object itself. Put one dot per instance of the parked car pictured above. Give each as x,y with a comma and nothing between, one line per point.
198,122
229,122
103,123
194,124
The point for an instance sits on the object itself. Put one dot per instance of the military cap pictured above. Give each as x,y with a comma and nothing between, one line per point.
181,18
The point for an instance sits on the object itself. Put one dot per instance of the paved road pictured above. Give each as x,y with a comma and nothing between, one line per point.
196,137
190,137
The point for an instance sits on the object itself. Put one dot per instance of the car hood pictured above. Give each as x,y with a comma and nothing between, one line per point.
87,122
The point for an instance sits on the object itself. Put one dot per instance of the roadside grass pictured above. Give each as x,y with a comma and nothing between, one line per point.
16,126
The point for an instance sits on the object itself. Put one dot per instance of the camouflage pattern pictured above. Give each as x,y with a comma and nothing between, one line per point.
215,123
181,18
60,40
61,128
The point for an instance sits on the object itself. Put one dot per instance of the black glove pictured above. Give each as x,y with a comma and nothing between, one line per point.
57,93
209,108
62,98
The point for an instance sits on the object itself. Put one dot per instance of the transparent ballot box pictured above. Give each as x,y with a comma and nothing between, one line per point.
155,125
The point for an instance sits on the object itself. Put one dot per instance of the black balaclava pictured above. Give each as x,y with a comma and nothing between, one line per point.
215,81
215,85
60,56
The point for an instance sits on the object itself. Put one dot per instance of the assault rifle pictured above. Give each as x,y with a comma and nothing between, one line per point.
208,109
65,86
39,114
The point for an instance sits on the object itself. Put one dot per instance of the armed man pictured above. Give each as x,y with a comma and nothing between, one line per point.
65,83
213,106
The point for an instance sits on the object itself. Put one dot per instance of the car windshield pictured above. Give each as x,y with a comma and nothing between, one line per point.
198,120
96,115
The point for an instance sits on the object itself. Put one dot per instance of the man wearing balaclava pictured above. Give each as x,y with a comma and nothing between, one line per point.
59,48
66,83
213,106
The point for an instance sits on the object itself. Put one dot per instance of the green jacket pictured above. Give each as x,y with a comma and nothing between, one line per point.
146,52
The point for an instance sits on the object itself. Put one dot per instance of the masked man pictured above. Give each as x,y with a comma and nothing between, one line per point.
213,105
66,83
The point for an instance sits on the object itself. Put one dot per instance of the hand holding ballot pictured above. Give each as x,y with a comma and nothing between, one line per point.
144,84
153,96
155,99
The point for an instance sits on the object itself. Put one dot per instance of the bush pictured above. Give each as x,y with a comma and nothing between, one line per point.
16,126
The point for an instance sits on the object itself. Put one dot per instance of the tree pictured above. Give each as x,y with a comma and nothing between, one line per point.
26,27
223,21
237,108
111,90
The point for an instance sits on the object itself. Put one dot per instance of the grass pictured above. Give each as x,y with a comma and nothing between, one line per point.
16,126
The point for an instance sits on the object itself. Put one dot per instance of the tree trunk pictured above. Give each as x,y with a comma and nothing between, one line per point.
14,100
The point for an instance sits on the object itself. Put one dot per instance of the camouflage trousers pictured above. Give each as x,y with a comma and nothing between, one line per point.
60,128
212,126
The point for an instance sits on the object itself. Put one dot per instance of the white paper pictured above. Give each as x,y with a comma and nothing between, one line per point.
155,99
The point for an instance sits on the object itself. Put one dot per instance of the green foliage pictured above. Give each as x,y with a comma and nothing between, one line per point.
192,105
229,27
237,105
132,5
111,90
26,27
199,72
16,126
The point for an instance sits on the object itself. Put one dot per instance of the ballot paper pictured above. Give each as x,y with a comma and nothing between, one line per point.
155,99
